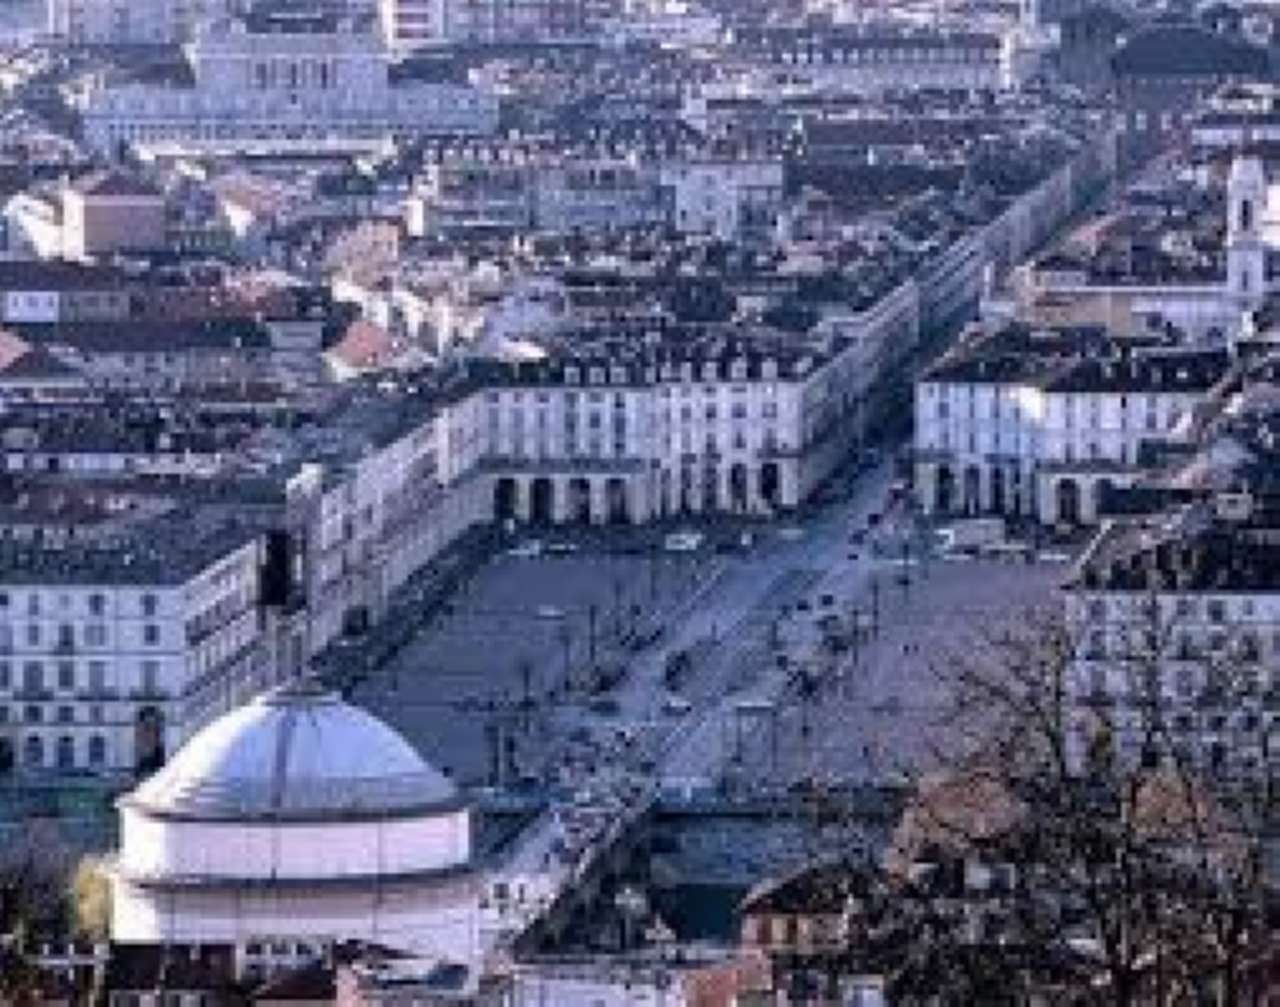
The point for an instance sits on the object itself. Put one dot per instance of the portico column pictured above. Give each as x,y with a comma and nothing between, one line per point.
790,483
640,492
722,478
599,499
523,499
926,485
755,503
559,499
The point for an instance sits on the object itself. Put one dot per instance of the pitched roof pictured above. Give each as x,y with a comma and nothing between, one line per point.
118,184
1183,50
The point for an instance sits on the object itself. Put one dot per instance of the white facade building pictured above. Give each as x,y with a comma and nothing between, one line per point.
1176,633
728,200
875,59
112,653
132,22
1037,423
281,80
296,817
740,426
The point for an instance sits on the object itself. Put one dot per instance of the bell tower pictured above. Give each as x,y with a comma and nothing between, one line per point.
1246,251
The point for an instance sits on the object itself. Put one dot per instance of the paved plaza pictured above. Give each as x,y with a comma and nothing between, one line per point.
513,653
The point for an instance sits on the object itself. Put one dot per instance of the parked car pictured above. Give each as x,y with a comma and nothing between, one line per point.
676,706
561,548
526,550
683,541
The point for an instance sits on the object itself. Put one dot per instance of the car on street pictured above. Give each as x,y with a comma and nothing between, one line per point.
683,541
1051,556
550,612
526,550
676,706
561,548
790,534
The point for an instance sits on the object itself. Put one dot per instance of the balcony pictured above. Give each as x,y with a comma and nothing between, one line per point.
97,695
149,694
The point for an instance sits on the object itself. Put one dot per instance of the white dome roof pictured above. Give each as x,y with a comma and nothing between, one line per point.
296,752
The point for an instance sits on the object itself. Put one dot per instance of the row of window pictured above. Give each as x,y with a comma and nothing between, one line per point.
66,676
95,603
1216,610
34,714
63,636
36,753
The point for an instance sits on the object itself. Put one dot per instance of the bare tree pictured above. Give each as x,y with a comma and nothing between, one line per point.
1109,878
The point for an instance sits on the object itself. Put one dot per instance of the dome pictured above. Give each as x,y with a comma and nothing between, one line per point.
296,752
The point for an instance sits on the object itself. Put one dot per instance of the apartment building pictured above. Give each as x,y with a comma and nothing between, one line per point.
279,79
1040,422
113,652
730,423
1175,624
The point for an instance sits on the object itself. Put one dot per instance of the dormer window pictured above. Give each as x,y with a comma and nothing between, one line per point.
709,371
572,376
769,369
596,375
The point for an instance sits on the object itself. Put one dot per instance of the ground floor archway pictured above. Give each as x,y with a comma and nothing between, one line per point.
945,494
739,487
542,501
504,499
580,500
1068,491
771,484
148,740
617,501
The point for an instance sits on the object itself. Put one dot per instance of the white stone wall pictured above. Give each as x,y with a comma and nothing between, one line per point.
172,848
434,917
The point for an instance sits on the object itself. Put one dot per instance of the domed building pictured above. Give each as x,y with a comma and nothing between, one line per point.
296,817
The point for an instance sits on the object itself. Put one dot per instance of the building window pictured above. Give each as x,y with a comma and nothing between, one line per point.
151,634
66,752
33,634
6,673
33,677
33,751
66,675
66,715
97,604
97,751
95,634
148,604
